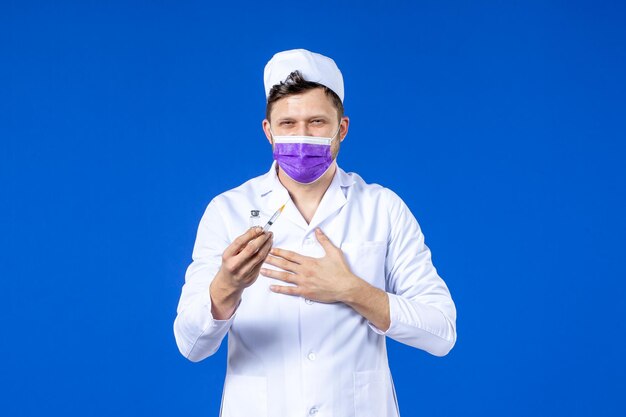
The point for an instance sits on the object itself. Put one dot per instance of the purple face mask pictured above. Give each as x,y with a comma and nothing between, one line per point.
303,158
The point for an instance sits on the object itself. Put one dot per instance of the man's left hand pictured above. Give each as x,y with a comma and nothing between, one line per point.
327,279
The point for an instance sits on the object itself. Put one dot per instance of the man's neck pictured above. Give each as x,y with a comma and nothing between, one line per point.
307,197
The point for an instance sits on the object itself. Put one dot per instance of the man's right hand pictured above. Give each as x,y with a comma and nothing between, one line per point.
241,263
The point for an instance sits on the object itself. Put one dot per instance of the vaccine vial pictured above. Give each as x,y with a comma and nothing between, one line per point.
255,219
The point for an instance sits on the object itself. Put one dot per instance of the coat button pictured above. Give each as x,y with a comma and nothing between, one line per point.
312,356
313,411
306,300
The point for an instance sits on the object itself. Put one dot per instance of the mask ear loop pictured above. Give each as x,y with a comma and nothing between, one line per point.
337,132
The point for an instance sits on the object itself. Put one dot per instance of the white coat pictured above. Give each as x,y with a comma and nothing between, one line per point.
289,356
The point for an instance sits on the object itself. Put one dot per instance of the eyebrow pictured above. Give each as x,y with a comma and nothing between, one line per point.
318,116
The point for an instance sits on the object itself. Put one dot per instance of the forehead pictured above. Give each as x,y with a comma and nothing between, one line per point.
304,105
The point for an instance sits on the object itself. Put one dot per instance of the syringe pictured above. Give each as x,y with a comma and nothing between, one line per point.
271,221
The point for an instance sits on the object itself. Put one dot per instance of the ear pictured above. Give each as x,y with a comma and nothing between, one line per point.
266,130
343,128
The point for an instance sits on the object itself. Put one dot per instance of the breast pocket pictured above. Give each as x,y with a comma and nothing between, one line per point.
367,260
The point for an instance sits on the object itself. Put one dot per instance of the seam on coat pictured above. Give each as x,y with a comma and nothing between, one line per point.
193,345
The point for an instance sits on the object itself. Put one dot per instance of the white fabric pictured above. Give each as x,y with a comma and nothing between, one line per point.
310,140
288,356
313,66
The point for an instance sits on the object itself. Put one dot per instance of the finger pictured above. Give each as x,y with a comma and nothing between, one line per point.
281,263
280,275
241,241
324,240
253,247
260,256
289,255
282,289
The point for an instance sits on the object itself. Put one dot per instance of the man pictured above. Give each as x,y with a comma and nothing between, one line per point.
307,305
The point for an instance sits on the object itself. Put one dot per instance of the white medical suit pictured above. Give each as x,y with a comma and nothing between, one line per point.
289,356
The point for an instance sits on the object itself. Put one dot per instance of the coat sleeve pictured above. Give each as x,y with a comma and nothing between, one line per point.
198,335
422,312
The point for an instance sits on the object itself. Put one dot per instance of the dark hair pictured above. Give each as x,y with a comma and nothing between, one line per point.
296,84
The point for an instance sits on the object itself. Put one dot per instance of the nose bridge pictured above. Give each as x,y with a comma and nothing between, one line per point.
303,128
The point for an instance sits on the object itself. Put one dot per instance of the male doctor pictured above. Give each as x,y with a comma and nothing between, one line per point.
308,304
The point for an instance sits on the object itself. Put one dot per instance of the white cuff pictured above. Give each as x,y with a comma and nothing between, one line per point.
393,316
215,323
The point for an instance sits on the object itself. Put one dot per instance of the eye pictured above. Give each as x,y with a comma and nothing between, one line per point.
317,121
286,123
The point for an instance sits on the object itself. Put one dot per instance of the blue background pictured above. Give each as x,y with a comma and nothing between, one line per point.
501,124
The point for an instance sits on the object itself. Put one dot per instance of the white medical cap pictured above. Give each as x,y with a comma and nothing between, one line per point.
313,67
